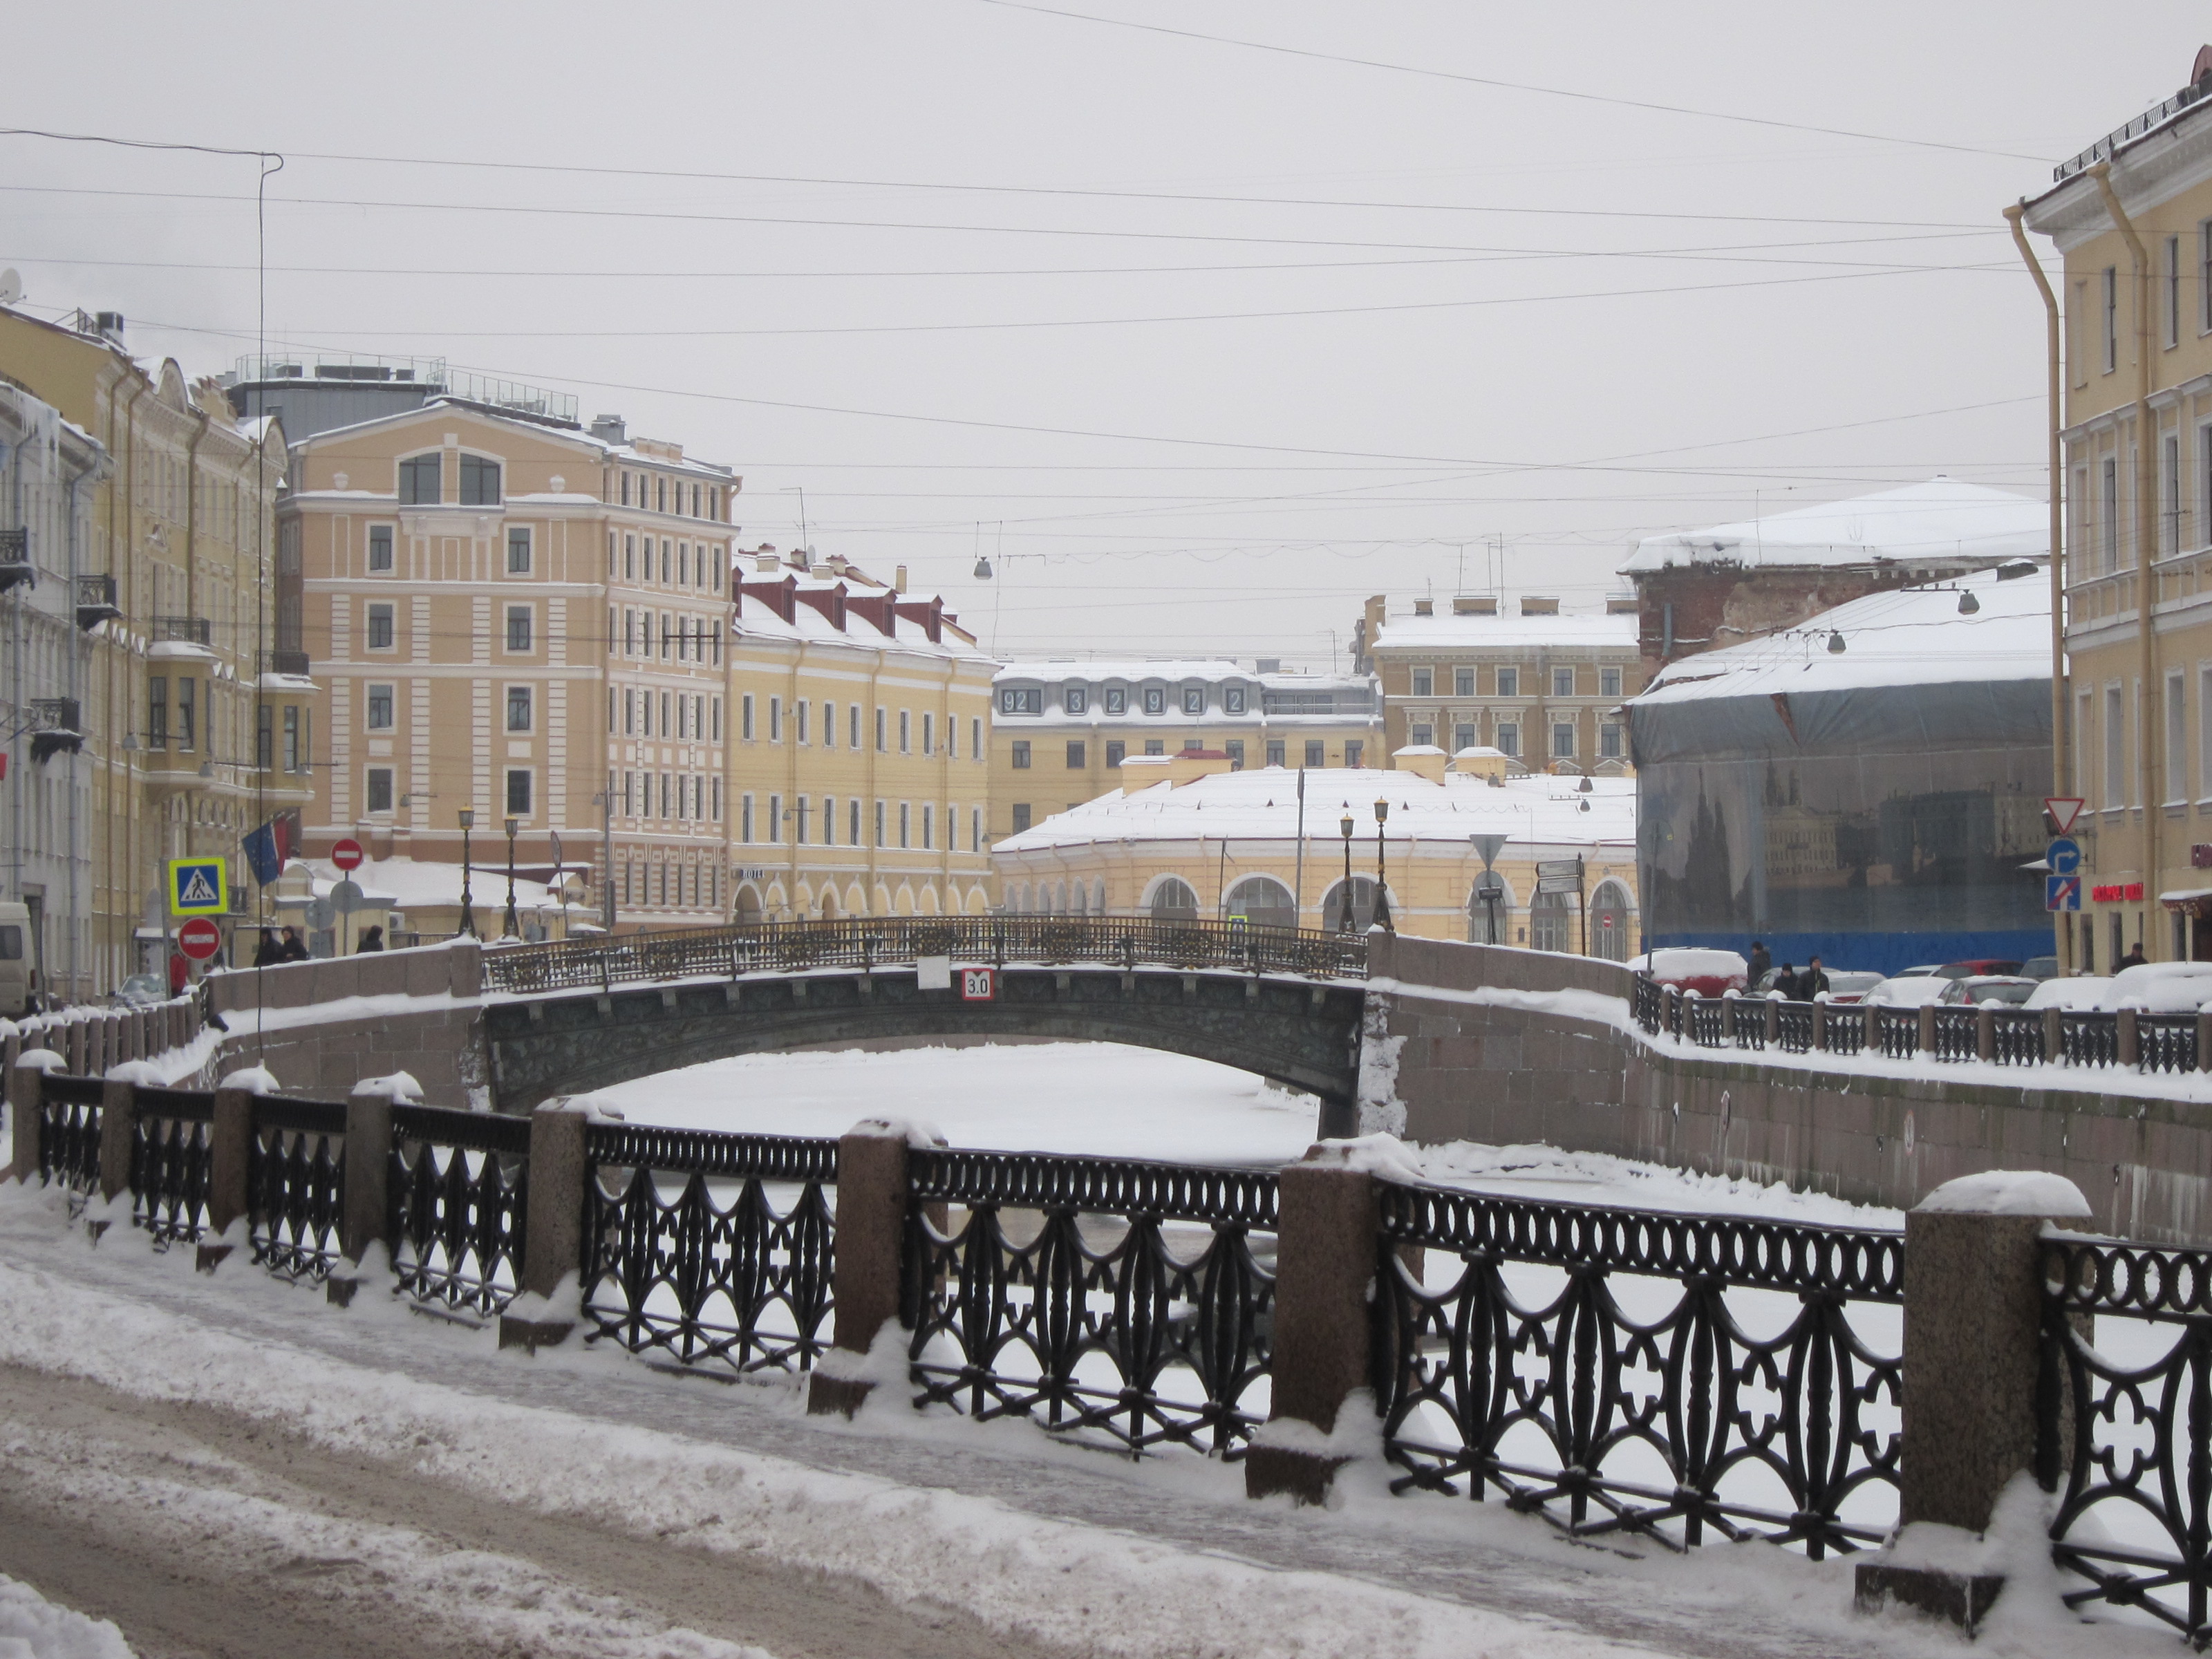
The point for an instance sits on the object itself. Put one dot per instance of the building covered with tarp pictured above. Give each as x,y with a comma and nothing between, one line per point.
1866,787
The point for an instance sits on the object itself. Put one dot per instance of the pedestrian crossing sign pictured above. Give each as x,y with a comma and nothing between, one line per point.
197,888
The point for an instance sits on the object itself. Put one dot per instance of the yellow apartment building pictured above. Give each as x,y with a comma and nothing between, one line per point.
1185,837
1542,686
857,748
155,642
1060,730
2131,217
526,621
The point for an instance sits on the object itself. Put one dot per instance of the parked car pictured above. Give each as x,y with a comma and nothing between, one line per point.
2162,987
2040,968
1845,984
139,991
1908,990
1923,971
2000,990
19,981
2072,991
1709,973
1976,966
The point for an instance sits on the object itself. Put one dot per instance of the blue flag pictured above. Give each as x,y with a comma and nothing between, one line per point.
268,847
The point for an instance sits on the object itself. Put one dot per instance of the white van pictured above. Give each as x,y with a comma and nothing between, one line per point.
16,966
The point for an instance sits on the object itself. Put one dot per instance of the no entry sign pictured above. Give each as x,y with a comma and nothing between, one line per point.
199,938
347,854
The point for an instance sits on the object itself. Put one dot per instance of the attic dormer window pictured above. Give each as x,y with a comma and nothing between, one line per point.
1117,700
1156,700
1232,699
1193,700
1075,699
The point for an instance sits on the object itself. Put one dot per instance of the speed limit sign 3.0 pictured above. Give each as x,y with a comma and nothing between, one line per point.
979,985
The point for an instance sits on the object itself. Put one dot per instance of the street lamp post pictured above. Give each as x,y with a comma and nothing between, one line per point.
1344,904
468,910
509,928
1381,876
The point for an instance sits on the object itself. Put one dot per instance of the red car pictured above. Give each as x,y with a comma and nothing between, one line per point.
1709,973
1978,967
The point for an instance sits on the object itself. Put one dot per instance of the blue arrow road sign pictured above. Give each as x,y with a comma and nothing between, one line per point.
2064,856
2062,892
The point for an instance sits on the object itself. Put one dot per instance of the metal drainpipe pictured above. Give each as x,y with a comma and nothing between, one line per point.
15,672
2062,743
77,645
2148,698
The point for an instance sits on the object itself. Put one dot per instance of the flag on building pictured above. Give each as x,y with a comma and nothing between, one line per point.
268,849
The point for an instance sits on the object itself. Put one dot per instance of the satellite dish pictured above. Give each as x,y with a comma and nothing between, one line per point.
11,286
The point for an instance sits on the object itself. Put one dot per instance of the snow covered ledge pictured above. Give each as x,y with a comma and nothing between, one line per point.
1973,1309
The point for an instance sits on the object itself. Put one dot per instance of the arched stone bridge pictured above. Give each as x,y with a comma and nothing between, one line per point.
585,1013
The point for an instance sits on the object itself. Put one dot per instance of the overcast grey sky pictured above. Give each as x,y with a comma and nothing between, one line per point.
1503,317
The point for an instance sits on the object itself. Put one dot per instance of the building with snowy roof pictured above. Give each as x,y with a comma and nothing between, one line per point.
1699,590
1186,837
1060,730
1540,684
1866,787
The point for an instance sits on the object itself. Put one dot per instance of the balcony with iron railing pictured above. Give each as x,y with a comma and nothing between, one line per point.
56,727
95,601
16,565
184,630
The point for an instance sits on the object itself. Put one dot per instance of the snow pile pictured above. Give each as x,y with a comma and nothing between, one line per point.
1382,1155
32,1627
2007,1192
1680,961
400,1089
2161,987
253,1080
1943,519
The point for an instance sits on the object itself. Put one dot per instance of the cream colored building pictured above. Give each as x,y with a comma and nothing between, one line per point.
2131,217
525,621
858,746
1186,837
155,612
1060,730
1541,685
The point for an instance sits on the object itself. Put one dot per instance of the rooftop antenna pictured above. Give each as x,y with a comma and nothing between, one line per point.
804,540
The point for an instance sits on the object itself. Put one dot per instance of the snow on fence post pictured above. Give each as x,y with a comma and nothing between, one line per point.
362,1213
2130,1036
866,1277
230,1158
550,1302
1772,1006
1327,1258
26,1110
1973,1310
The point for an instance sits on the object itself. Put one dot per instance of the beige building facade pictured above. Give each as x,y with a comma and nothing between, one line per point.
2132,218
1060,730
146,609
1542,686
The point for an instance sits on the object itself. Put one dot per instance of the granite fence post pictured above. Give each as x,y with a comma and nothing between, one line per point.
1973,1316
1927,1043
1773,1012
230,1158
553,1230
364,1212
2203,1039
1985,1034
2129,1034
1327,1257
866,1277
26,1112
2054,1036
119,1129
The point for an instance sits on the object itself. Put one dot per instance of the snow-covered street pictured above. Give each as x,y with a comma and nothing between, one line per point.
226,1464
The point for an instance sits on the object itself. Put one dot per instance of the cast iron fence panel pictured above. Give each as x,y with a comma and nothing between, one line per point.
1955,1034
1793,1027
1747,1022
1647,1004
295,1185
2089,1037
2165,1043
1846,1028
1087,1330
1797,1412
1707,1019
69,1132
2129,1446
868,942
456,1201
1898,1030
2019,1037
740,1282
171,1162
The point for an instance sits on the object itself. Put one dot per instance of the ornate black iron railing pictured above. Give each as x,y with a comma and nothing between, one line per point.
1625,1371
171,1148
709,1249
2165,1043
1647,1004
2017,1036
2125,1424
1793,1027
1124,1303
296,1184
1955,1034
456,1199
2089,1037
1707,1022
69,1132
867,942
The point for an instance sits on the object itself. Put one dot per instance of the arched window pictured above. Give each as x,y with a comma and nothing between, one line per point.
1173,901
1361,898
1490,920
1610,922
1059,899
1082,899
1263,902
1098,896
749,904
1550,923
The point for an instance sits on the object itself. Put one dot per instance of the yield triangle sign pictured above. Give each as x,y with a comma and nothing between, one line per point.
197,890
2064,810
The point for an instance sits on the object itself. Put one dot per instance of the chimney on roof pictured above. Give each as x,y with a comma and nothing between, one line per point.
898,580
1425,607
1267,665
1531,605
1620,604
765,562
610,429
1474,604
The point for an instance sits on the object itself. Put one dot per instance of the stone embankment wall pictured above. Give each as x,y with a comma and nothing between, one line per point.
323,1026
1505,1046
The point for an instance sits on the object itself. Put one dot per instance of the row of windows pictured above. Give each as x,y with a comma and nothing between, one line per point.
670,884
678,565
2118,737
1078,752
808,828
175,723
799,716
521,790
381,632
662,493
423,480
521,560
680,798
1114,699
680,639
1506,739
684,715
1507,683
